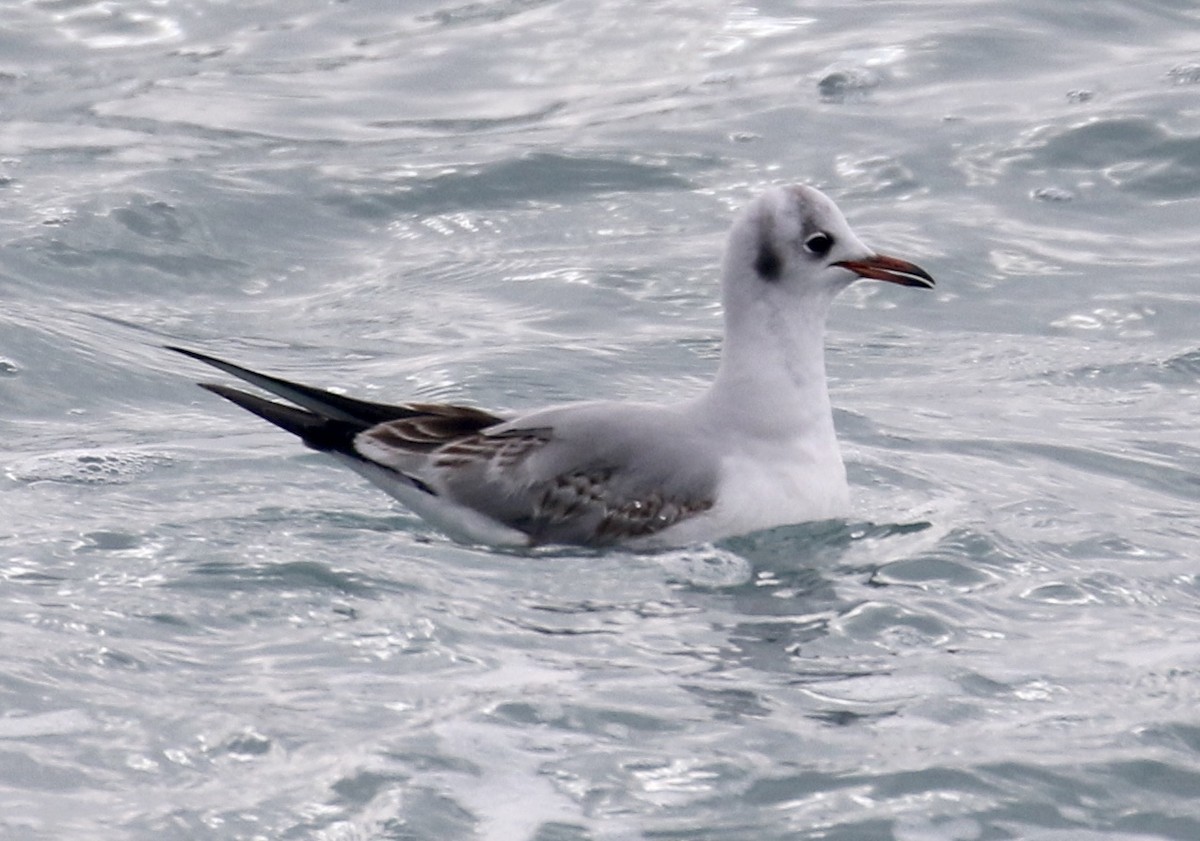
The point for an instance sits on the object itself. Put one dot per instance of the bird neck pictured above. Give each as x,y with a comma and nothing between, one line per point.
771,381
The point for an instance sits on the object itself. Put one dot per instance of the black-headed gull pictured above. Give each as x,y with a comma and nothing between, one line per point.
757,449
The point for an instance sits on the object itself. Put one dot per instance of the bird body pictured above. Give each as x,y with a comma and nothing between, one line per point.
755,450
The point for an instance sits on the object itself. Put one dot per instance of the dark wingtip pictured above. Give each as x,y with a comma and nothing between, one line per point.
200,357
222,390
184,351
315,431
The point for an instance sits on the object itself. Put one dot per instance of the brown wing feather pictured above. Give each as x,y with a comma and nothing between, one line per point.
589,495
582,504
436,426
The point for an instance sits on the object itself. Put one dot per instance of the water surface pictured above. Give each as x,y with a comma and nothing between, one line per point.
210,633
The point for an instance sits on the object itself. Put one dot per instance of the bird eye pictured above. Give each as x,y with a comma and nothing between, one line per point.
819,244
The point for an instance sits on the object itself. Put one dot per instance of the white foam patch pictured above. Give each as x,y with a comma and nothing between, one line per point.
86,467
707,566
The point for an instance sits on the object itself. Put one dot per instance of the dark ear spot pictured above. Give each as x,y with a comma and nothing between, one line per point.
768,264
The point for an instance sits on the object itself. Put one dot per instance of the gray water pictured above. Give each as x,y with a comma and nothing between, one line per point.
210,633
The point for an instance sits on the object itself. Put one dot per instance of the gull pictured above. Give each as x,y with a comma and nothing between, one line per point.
757,449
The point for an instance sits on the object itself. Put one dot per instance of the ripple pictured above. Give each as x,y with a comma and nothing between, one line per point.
847,84
38,725
1053,194
731,704
1128,322
1152,776
705,568
893,625
1059,593
151,219
1135,153
1187,364
480,12
531,178
603,721
106,26
879,176
285,577
936,573
109,541
460,125
1156,474
249,743
1181,369
1185,74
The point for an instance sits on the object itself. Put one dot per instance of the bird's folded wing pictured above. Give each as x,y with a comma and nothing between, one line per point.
535,481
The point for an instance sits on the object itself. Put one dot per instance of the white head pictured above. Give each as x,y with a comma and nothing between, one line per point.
793,243
789,254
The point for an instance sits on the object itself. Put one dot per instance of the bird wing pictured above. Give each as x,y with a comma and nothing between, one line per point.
562,476
567,476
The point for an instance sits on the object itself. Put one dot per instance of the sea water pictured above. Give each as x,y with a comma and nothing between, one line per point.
208,632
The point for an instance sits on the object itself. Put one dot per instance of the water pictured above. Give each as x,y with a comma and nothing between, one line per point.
209,633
